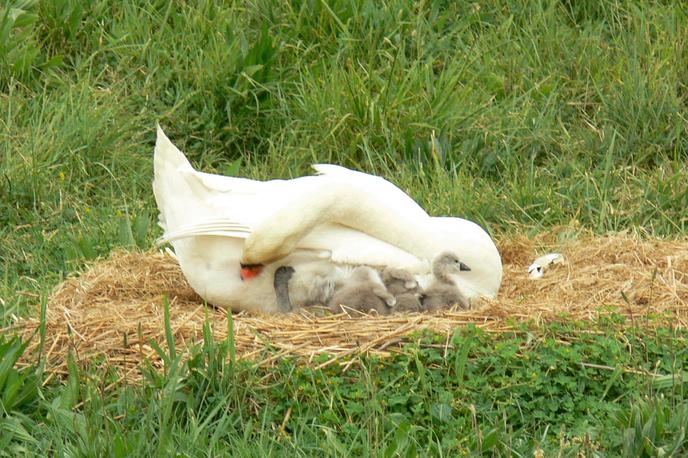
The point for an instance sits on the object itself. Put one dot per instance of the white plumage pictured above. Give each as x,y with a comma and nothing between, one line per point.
314,224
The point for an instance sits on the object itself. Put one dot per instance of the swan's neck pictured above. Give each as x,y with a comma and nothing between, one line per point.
343,204
442,275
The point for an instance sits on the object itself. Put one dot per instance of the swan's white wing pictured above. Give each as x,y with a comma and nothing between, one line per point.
349,246
332,242
236,207
184,194
359,201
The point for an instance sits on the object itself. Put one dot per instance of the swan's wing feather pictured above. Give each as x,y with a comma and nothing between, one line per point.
178,236
184,194
352,247
208,227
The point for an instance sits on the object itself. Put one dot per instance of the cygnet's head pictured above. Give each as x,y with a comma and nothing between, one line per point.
362,274
448,262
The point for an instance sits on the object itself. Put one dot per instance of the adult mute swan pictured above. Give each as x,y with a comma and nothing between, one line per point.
231,234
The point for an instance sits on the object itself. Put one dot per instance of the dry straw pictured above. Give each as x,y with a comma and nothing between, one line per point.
110,313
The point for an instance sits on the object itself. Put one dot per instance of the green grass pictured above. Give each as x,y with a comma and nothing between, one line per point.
519,115
562,389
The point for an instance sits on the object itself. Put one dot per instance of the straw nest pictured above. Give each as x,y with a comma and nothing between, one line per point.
110,313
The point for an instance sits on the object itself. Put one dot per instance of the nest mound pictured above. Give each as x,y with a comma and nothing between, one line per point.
110,313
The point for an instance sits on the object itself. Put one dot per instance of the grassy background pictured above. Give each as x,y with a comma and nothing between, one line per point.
519,115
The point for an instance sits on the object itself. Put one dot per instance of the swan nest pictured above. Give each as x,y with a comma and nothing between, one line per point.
110,313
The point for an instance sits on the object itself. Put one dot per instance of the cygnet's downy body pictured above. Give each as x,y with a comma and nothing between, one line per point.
404,286
363,291
443,292
304,286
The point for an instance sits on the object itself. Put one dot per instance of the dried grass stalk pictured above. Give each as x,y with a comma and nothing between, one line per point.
111,312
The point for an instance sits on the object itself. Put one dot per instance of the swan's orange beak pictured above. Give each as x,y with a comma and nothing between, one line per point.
250,271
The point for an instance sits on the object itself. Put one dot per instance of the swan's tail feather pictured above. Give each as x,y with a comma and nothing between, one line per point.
167,163
166,154
184,194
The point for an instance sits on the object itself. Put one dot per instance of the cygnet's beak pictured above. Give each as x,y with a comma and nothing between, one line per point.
463,267
250,271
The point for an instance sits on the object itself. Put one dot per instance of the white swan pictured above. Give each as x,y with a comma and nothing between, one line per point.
315,223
